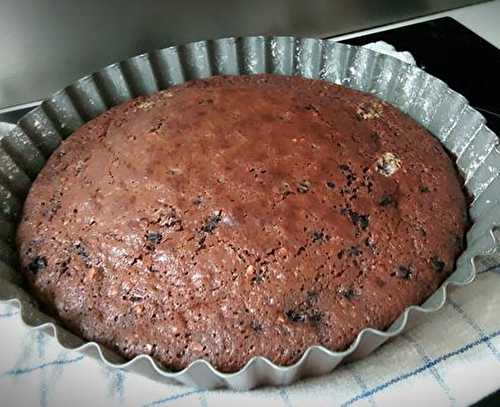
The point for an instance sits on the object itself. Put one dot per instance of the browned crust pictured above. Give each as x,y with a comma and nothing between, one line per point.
241,216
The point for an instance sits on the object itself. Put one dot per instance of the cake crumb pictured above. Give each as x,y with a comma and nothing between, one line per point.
368,111
146,105
388,164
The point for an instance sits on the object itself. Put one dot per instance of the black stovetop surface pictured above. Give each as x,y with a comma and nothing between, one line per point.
450,51
465,61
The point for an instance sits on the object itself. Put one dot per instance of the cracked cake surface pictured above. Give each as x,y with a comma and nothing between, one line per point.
241,216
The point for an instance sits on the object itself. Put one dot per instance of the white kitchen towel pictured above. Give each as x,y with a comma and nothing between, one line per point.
452,358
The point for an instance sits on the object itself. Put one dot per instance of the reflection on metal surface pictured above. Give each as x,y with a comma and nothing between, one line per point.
50,45
5,128
14,113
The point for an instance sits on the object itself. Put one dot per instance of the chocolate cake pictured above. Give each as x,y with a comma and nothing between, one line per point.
241,216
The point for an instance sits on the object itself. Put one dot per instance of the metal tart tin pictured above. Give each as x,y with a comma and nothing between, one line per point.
444,112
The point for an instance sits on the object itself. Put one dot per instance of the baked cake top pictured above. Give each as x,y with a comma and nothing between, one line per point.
241,216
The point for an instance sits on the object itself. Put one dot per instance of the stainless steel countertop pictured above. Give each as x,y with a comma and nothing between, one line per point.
48,44
483,19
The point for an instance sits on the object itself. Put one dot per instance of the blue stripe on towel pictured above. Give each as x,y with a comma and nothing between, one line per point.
17,372
174,397
423,368
421,351
285,397
361,383
475,326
